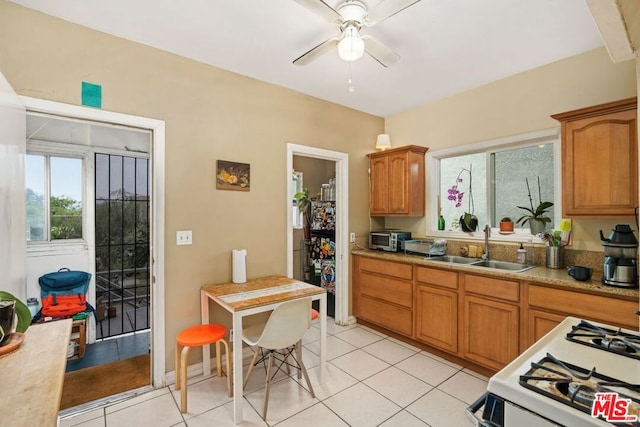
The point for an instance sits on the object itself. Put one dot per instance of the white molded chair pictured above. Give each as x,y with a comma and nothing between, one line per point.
283,330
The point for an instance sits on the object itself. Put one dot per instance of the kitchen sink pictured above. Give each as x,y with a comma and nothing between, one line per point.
503,265
514,267
454,259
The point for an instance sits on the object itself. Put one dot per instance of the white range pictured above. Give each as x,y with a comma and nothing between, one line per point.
555,381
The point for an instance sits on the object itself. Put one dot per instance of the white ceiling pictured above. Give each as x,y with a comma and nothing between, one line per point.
446,46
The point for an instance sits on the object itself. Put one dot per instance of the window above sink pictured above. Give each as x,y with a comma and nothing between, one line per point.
499,169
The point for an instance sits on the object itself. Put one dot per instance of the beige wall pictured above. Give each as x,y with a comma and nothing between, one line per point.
518,104
210,114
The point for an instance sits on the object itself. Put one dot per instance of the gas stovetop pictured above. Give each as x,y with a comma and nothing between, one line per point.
578,387
607,339
590,369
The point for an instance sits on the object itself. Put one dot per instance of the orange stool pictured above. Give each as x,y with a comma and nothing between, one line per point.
314,314
197,336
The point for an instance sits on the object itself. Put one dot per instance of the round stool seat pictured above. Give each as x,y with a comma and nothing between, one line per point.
201,335
314,314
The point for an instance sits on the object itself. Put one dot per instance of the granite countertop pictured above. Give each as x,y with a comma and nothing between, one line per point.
554,277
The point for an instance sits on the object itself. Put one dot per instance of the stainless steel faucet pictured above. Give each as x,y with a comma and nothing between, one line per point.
487,234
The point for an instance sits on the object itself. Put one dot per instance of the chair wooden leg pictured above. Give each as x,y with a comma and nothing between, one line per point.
218,359
183,379
266,395
299,356
306,376
229,367
253,362
177,363
285,355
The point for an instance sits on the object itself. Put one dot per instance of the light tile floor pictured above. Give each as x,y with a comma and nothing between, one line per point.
371,380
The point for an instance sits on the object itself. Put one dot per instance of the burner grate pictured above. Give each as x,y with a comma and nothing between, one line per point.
611,340
575,386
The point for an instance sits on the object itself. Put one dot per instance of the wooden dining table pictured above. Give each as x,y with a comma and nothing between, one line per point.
33,375
257,296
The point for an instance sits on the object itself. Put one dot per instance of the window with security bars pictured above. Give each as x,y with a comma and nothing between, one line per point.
122,230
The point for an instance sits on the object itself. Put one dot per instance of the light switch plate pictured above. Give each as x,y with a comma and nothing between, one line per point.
184,237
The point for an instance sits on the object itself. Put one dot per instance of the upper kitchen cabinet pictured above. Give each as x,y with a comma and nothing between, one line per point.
397,182
599,160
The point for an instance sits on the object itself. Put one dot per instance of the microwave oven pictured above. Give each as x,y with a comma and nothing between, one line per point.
388,240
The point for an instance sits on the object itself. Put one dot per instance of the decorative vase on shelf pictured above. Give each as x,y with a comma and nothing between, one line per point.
537,226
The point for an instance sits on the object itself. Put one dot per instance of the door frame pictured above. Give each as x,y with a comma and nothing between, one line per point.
342,221
157,157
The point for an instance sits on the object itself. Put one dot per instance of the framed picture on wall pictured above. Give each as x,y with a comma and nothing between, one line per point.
233,176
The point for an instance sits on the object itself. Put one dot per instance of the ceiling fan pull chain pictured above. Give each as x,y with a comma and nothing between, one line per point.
351,87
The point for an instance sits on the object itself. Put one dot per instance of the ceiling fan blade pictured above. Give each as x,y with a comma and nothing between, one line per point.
322,9
387,8
317,51
380,52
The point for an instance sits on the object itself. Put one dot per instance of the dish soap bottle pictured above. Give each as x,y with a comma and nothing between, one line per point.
522,254
441,223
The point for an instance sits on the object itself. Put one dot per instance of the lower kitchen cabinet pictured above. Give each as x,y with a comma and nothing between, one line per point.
383,293
491,331
437,308
548,306
539,323
491,321
486,320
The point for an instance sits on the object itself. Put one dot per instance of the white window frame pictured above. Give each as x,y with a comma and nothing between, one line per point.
56,149
546,136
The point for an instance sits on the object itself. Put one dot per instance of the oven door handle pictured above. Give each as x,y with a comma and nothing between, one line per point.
475,407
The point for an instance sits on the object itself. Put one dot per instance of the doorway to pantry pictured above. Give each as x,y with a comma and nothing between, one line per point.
312,255
314,244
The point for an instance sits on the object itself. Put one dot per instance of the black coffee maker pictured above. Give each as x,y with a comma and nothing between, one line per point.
620,262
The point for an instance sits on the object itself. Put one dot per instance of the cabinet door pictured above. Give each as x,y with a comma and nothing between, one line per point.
398,183
490,331
600,165
539,323
379,178
437,317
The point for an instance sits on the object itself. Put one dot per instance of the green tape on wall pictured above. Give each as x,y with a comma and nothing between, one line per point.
91,95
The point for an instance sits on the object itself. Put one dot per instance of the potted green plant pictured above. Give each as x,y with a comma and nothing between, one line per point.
22,311
506,225
304,205
536,216
468,221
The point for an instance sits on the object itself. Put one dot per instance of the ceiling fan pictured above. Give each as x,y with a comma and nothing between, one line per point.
352,15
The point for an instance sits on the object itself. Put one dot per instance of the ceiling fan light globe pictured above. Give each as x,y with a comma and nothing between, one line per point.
351,48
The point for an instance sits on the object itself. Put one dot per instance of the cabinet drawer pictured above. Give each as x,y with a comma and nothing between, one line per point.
608,310
390,316
433,276
387,289
388,268
496,288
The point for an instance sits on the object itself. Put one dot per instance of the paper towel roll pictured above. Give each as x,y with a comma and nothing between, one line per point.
239,263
